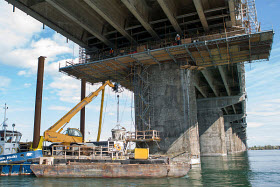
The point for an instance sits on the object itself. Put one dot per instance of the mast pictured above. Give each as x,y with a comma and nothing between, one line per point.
5,119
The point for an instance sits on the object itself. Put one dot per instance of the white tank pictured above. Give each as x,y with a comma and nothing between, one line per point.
118,134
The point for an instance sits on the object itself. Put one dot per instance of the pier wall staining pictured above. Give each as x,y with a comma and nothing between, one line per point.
211,132
237,138
174,111
228,138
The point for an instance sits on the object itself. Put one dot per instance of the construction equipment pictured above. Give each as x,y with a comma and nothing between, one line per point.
72,135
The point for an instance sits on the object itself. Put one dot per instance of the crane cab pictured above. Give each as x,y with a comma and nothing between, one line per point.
73,132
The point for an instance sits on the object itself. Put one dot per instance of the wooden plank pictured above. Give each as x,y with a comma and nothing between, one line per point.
157,52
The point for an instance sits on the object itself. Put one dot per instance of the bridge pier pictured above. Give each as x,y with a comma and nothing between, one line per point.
172,109
228,138
211,132
239,138
214,132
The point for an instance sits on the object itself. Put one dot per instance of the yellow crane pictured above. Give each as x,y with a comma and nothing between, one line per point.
72,135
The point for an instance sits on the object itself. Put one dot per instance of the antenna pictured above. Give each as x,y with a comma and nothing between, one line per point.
13,125
5,119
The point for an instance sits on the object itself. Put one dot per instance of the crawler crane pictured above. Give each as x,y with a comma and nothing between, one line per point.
73,135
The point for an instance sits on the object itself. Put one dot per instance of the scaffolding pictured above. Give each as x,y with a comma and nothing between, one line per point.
143,136
143,98
210,50
248,16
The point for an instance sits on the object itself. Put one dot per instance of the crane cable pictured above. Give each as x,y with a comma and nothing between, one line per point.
123,109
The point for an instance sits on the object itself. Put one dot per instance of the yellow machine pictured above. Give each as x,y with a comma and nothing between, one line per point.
72,135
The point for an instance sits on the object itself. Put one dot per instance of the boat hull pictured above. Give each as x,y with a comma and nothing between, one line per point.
105,170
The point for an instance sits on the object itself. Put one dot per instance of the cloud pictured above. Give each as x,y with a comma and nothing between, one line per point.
66,88
4,82
59,108
20,109
254,124
22,72
27,85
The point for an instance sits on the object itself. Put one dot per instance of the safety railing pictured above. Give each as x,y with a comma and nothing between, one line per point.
150,45
149,135
85,152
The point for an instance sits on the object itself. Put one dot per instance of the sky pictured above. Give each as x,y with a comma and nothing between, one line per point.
23,40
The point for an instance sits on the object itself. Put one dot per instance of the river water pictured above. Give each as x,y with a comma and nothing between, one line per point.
252,168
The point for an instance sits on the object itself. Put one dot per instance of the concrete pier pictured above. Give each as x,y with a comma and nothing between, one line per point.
228,138
211,132
172,110
238,138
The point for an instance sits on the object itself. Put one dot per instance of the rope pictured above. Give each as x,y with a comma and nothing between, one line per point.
123,109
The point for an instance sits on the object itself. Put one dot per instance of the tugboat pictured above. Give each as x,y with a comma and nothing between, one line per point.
15,157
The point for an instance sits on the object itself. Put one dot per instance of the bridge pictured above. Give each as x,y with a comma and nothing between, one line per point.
192,92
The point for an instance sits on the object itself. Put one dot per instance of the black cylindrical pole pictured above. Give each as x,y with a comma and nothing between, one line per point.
38,102
82,113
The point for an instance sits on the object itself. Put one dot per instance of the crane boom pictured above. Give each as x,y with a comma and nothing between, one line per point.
52,135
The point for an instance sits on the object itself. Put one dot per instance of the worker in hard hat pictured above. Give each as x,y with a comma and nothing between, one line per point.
111,52
178,39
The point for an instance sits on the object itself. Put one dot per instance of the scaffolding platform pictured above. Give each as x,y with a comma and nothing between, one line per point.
199,54
143,136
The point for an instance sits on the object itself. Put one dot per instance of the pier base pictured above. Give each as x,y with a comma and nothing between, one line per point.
211,132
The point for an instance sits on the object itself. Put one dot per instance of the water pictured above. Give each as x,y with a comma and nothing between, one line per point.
253,168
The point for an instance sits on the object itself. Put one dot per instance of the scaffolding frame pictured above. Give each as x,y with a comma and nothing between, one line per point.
248,14
143,98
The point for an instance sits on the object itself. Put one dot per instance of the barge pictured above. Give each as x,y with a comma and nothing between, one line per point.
111,159
111,170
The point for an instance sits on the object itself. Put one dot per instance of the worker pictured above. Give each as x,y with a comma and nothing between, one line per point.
178,39
111,52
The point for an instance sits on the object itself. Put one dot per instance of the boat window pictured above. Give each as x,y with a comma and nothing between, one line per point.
14,139
8,139
18,138
2,136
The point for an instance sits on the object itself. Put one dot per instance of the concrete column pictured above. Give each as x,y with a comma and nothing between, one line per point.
38,102
236,139
243,140
211,132
173,103
228,137
83,111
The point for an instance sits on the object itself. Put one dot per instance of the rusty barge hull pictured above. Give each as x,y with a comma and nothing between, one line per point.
96,170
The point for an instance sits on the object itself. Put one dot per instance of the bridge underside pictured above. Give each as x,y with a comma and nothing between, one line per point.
99,24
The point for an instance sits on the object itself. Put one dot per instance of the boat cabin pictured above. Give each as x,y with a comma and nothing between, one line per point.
9,141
